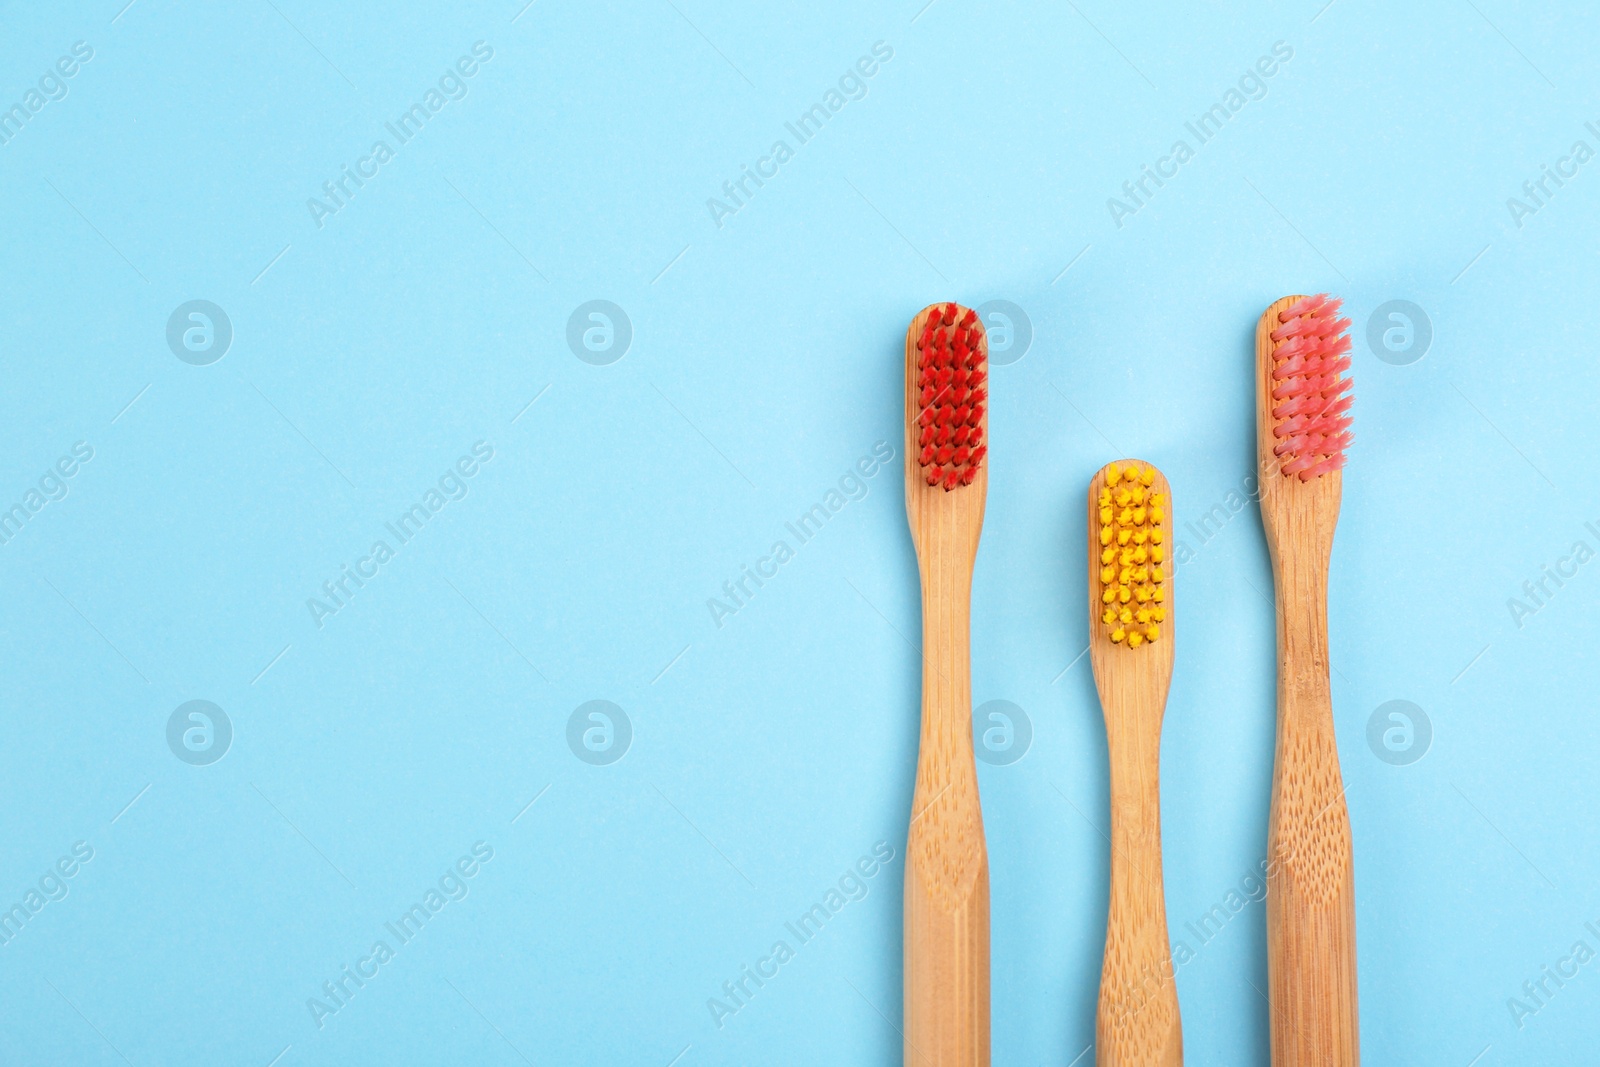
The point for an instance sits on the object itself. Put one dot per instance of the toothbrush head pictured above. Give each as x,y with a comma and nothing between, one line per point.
947,394
1309,399
1128,546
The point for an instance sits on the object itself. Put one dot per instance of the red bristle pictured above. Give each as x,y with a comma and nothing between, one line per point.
1310,356
951,384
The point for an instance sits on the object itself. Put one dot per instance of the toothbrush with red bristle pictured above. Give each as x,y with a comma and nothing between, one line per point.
947,863
1302,431
951,375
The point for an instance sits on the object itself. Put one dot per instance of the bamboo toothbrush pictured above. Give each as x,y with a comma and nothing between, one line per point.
1130,648
947,865
1303,428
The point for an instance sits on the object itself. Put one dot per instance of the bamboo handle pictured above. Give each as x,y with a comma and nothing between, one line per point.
1311,943
947,864
1138,1023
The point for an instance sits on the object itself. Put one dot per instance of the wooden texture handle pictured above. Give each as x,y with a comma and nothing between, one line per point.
1311,929
1137,1024
947,864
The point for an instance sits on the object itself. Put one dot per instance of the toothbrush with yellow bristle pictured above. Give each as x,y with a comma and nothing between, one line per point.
1302,430
1130,648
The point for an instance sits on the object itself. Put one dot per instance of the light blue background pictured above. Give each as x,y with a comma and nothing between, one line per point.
772,752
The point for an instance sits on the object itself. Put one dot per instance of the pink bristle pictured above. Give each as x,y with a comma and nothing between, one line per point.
1310,356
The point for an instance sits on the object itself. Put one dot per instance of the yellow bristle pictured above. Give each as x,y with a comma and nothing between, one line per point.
1133,553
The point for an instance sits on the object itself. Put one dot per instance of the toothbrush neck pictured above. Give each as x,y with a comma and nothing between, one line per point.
946,654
